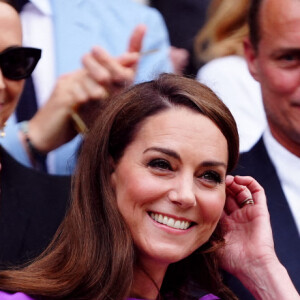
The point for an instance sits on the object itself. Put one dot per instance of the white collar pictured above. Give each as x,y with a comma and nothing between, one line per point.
286,163
43,6
287,167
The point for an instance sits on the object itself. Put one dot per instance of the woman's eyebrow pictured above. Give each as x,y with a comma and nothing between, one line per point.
177,156
165,151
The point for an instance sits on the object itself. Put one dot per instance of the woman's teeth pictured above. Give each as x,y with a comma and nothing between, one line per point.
177,224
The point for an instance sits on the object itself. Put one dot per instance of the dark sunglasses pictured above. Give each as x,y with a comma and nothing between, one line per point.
17,63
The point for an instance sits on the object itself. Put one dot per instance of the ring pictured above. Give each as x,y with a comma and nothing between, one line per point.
247,201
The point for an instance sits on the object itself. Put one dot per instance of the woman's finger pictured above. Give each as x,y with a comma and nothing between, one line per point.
254,187
239,192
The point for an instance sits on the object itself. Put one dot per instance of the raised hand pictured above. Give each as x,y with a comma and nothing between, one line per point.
249,248
247,226
115,73
102,75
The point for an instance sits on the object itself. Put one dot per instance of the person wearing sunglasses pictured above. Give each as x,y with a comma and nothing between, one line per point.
16,64
32,204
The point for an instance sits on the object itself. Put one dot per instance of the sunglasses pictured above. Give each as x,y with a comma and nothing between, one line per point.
17,63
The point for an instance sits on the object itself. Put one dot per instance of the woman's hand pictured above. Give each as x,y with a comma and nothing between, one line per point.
249,248
248,231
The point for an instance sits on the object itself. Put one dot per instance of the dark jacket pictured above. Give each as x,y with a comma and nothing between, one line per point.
32,205
256,163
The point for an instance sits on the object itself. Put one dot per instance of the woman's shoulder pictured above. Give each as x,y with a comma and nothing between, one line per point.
15,296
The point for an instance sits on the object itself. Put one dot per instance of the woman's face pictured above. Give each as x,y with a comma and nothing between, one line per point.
170,184
11,35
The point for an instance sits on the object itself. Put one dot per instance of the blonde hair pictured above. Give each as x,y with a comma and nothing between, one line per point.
224,31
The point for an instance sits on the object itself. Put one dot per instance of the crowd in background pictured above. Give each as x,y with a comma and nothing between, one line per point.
63,62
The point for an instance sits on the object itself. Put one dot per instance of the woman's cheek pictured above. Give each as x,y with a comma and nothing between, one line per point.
212,206
147,188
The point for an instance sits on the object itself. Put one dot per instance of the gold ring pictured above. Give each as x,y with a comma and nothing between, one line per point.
247,201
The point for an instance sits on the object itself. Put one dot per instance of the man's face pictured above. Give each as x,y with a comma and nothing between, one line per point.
10,36
276,65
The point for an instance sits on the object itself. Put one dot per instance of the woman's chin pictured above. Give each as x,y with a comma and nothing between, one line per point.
166,255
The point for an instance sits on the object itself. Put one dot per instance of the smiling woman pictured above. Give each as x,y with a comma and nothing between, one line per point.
148,194
172,175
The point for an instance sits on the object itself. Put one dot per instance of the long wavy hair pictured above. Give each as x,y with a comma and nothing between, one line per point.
224,31
92,255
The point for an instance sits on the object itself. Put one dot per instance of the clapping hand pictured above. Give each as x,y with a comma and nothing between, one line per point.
102,75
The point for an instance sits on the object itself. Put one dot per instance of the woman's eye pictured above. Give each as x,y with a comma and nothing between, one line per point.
160,164
211,177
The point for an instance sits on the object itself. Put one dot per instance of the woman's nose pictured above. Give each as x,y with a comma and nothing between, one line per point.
183,194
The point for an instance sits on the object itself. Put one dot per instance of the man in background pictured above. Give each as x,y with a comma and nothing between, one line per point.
273,56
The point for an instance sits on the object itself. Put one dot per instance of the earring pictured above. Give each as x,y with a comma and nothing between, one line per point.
2,132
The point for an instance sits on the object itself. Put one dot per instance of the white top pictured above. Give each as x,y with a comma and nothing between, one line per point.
37,25
287,166
230,79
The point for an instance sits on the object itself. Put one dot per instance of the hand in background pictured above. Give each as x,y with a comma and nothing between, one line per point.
102,75
112,73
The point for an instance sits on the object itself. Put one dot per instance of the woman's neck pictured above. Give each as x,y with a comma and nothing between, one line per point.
148,278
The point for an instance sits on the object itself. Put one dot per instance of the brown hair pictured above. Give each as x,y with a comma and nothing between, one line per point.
92,254
224,31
